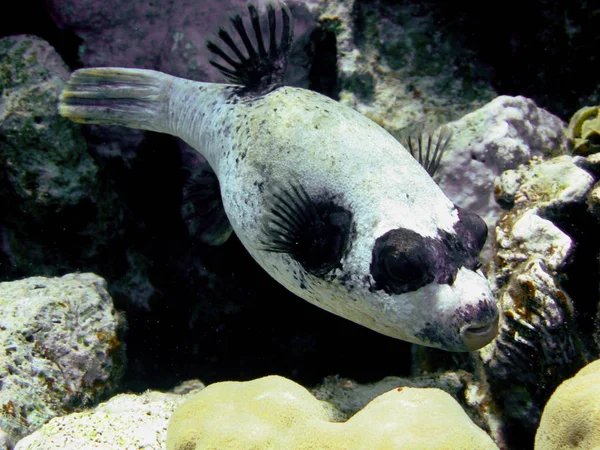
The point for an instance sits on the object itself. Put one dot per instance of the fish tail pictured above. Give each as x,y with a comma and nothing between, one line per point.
132,98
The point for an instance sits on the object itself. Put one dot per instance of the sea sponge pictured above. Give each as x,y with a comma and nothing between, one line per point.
276,413
584,131
571,418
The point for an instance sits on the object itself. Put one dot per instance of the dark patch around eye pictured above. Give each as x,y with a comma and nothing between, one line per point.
401,261
314,232
404,261
472,229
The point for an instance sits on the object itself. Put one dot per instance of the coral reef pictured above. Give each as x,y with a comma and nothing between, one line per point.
274,412
60,341
571,419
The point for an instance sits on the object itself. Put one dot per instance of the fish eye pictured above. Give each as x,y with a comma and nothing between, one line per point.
401,262
400,268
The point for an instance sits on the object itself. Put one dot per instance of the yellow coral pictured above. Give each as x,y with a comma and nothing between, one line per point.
571,419
276,413
584,131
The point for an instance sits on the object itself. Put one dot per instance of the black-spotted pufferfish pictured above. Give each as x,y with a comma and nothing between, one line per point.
325,200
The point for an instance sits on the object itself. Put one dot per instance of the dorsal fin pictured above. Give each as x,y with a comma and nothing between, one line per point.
261,69
427,146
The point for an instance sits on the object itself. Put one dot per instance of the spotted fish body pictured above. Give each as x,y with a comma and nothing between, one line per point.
324,199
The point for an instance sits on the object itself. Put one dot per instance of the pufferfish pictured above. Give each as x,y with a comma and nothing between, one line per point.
324,199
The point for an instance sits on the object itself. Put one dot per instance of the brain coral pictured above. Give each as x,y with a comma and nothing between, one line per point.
571,419
276,413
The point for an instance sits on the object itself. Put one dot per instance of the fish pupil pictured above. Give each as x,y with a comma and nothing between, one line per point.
402,269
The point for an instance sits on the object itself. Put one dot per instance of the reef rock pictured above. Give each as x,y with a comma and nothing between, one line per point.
51,192
395,65
60,349
349,396
544,274
503,134
571,419
275,412
126,421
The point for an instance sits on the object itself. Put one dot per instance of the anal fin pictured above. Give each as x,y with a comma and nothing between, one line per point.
202,208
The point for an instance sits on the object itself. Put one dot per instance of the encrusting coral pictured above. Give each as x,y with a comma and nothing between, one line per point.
276,413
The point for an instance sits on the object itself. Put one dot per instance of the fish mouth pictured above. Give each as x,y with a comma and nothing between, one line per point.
476,336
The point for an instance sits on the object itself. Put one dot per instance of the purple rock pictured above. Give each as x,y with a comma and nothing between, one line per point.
165,35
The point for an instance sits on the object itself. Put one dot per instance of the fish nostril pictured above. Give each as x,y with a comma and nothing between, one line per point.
476,336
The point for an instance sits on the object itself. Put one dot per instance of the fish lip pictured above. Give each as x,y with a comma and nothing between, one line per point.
476,336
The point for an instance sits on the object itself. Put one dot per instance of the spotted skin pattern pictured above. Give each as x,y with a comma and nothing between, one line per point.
278,142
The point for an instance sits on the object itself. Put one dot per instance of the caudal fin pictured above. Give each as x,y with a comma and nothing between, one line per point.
132,98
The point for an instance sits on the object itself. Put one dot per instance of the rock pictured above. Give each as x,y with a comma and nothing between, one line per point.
397,67
544,274
46,162
164,35
503,134
60,349
125,422
278,413
51,191
593,201
571,418
555,182
349,397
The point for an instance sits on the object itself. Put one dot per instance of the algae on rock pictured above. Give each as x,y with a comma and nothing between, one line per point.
51,191
543,274
397,67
